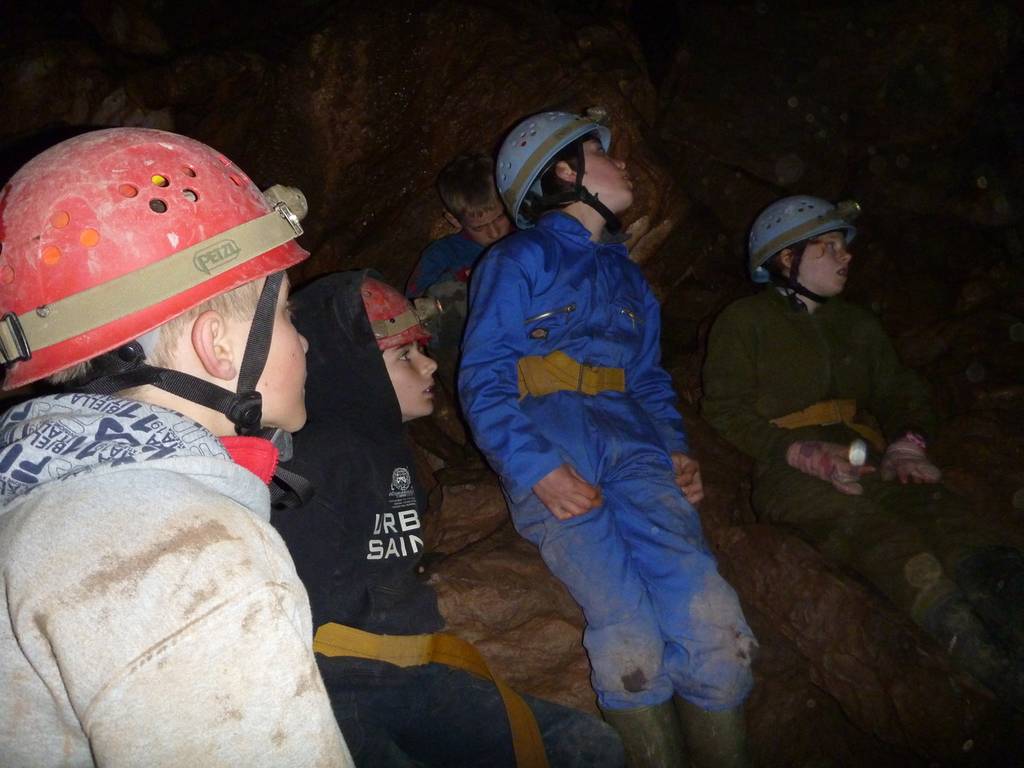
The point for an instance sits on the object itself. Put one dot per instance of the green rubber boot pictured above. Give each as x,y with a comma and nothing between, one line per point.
650,735
992,579
953,623
713,739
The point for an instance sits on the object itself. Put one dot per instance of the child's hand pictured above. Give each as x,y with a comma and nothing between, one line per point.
687,473
566,494
905,459
829,462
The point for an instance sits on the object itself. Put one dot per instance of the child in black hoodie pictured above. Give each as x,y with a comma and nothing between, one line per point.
357,544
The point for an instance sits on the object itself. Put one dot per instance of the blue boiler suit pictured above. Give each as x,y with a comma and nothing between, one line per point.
660,618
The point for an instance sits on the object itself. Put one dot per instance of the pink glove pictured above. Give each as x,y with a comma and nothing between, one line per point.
905,458
829,462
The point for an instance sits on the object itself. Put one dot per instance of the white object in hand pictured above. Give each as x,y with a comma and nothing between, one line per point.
858,453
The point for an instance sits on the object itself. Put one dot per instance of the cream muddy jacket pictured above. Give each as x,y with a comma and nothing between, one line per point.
149,615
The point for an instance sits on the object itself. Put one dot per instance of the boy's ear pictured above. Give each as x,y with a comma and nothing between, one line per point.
452,219
786,260
565,172
213,345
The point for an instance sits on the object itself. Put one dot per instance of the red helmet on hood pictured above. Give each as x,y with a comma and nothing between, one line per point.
112,233
392,316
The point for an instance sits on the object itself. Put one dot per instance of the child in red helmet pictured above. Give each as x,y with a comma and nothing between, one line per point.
358,543
151,615
400,337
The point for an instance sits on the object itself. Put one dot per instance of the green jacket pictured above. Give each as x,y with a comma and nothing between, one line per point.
766,359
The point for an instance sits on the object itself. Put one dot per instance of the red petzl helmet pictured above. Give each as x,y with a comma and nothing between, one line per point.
392,317
112,233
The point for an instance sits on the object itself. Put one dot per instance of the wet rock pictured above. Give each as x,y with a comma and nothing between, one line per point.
499,595
887,677
127,27
469,513
975,293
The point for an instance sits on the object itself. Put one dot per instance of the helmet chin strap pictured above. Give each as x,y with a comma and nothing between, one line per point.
793,287
126,367
581,194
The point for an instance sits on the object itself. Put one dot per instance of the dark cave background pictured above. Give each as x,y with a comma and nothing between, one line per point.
915,109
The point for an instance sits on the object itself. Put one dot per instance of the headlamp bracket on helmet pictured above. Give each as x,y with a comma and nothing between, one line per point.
290,203
293,220
427,308
848,210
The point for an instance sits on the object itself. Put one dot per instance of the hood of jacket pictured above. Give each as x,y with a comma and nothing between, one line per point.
358,541
54,438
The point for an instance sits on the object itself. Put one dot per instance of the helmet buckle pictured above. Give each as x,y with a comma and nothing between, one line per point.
13,344
246,412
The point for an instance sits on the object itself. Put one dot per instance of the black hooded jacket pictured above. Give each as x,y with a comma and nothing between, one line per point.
357,543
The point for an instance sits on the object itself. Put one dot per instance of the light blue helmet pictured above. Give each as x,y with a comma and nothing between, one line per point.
528,150
792,219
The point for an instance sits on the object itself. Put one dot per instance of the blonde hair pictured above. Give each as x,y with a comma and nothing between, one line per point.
237,304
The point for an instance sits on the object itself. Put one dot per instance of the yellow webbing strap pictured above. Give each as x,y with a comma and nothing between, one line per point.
831,412
557,372
414,650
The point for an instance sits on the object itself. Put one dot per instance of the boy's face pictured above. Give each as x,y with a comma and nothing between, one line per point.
412,376
486,225
607,178
825,264
283,383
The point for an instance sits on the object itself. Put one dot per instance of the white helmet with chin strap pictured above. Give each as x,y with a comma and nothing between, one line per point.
530,149
791,220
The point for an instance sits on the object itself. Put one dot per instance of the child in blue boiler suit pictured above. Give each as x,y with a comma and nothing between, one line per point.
562,385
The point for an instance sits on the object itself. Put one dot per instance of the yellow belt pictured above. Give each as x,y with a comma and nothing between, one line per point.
414,650
557,372
831,412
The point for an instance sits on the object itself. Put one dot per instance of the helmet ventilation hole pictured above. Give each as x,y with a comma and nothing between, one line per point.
6,274
159,180
235,180
190,195
189,171
89,237
128,190
51,255
157,206
60,219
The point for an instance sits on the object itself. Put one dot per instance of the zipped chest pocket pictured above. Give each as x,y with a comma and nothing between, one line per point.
631,315
543,324
627,318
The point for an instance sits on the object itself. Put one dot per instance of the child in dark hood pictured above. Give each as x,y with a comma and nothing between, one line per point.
358,542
